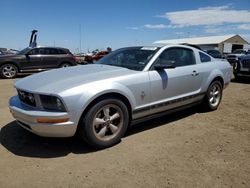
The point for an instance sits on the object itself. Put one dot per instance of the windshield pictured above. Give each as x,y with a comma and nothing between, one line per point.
134,58
24,51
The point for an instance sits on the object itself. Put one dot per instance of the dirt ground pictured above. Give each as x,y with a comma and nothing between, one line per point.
186,149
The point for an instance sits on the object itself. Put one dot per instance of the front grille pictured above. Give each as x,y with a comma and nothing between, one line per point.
231,61
246,63
231,56
26,97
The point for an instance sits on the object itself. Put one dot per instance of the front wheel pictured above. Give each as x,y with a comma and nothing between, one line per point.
105,123
213,96
8,71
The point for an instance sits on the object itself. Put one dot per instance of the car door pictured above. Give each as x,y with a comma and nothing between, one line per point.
50,58
177,83
32,60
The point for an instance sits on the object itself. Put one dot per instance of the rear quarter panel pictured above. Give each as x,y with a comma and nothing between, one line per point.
214,69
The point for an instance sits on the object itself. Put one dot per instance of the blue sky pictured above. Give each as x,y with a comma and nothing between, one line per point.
118,23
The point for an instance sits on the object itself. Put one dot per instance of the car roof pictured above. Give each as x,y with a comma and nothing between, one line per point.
50,47
169,45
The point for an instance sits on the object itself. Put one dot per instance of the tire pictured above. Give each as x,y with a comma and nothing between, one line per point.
8,71
236,68
64,65
213,96
104,124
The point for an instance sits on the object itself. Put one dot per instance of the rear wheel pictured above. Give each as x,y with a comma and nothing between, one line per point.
8,71
105,123
213,96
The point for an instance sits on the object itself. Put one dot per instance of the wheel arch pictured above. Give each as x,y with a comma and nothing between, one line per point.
215,75
64,62
11,62
220,79
113,95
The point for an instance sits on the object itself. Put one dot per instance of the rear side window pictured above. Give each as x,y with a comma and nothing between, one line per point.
53,51
204,58
42,51
34,51
60,51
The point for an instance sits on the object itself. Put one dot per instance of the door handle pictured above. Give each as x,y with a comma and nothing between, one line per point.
195,73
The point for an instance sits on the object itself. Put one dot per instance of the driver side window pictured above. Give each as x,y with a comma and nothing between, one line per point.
33,52
177,57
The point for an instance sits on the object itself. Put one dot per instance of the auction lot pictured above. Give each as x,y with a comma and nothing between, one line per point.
186,149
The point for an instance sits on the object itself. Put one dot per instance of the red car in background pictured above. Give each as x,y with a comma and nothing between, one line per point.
92,57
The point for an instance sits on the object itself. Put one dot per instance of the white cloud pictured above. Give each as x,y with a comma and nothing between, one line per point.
158,26
207,16
161,26
132,28
213,30
244,26
214,8
179,33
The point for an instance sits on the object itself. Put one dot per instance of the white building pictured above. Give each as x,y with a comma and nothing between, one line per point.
225,43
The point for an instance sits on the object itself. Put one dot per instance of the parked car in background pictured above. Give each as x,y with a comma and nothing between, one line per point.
12,51
242,67
99,101
99,55
1,52
214,53
36,59
96,55
8,52
81,58
233,57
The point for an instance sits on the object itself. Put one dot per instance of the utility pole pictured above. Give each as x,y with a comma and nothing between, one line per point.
80,32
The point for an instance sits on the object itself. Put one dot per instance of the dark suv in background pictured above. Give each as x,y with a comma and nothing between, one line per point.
242,67
35,59
214,53
234,57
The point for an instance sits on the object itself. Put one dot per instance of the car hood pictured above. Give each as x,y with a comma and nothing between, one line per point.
59,80
245,57
236,55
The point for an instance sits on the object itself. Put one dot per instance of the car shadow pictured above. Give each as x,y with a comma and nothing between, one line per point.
23,143
163,120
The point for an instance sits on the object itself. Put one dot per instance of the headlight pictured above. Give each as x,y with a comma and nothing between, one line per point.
26,97
52,103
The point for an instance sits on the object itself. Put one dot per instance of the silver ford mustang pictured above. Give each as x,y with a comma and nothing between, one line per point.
101,100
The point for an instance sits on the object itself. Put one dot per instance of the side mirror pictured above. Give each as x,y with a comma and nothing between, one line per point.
164,64
162,67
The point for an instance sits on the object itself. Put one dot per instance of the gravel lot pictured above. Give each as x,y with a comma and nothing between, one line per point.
186,149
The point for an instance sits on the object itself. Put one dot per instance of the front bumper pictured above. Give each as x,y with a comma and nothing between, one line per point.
27,116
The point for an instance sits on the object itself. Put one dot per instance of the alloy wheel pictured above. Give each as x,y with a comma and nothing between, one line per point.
108,122
215,95
9,71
